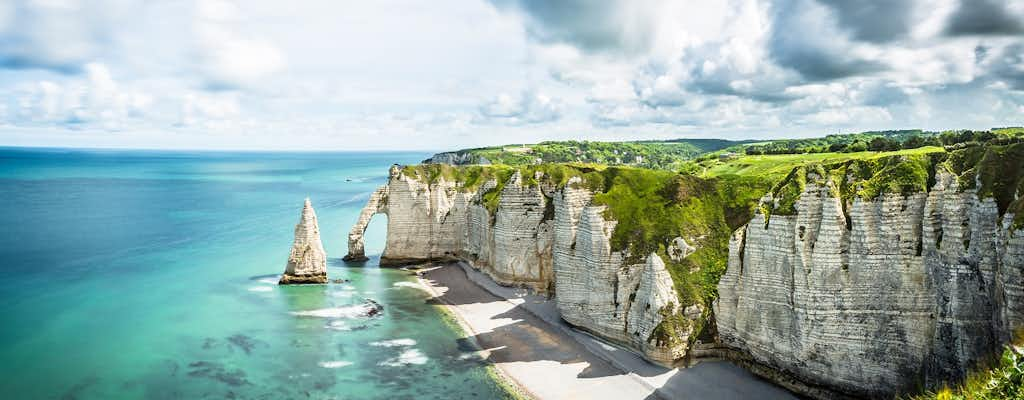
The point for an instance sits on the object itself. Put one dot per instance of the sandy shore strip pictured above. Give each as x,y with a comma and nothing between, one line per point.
528,342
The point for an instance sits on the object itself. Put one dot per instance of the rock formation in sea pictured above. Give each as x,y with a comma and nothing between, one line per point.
307,262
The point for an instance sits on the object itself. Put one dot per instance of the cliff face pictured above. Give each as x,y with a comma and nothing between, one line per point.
887,296
871,277
307,261
542,236
456,158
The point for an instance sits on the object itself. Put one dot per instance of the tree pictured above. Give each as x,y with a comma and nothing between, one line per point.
883,144
856,147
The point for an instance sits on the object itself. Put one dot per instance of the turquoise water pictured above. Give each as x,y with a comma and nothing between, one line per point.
143,274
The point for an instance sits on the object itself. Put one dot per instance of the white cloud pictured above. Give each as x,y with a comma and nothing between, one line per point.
527,107
96,99
198,107
229,58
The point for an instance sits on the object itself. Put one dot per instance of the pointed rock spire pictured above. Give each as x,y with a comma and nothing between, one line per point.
307,262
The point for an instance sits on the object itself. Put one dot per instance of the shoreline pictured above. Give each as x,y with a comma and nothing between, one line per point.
502,378
524,338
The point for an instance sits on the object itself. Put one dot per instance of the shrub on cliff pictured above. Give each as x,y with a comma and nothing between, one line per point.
1004,380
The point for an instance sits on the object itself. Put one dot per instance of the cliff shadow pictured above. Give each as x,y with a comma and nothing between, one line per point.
510,333
719,380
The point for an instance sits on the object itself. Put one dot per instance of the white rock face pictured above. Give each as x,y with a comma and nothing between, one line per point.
531,240
307,262
679,249
910,292
376,205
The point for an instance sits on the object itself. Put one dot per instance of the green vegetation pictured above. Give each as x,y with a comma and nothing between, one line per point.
669,331
1001,379
647,154
472,177
883,141
999,169
776,167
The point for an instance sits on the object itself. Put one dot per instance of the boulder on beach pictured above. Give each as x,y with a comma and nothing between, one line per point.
307,262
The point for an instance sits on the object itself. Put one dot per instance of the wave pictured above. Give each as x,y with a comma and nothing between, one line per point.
261,289
334,364
359,310
394,343
339,325
408,357
412,285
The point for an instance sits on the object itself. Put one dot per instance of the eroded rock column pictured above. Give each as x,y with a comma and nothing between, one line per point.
307,262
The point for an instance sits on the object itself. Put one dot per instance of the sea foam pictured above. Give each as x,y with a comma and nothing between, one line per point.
334,364
336,312
394,343
408,357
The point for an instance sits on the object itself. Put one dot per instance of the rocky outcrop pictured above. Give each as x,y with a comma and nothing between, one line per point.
307,262
457,158
547,238
876,297
374,206
597,290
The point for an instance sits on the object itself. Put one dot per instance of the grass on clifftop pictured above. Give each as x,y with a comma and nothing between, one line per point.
778,166
998,169
654,207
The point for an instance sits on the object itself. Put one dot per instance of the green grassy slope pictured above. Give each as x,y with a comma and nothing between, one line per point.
648,154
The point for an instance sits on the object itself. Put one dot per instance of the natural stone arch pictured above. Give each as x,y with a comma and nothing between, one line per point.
376,205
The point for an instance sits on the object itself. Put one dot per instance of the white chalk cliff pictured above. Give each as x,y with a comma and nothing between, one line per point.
307,262
836,297
550,239
905,292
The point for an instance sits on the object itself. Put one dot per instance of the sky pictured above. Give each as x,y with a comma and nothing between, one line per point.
447,74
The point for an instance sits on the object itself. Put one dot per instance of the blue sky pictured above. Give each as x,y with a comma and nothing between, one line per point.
371,75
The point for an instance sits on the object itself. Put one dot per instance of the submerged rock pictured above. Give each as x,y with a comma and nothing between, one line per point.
307,262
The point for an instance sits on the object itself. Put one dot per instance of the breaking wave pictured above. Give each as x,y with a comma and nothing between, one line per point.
408,357
394,343
334,364
337,312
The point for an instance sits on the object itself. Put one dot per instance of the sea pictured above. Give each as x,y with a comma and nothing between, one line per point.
138,274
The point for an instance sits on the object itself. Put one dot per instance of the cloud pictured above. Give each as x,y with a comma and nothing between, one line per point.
593,26
986,17
199,107
873,20
805,38
230,59
528,107
94,101
1008,66
57,35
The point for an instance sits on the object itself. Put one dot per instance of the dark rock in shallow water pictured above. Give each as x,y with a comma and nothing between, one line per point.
375,308
217,372
245,343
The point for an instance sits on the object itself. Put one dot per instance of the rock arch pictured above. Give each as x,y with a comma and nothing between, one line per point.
376,205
